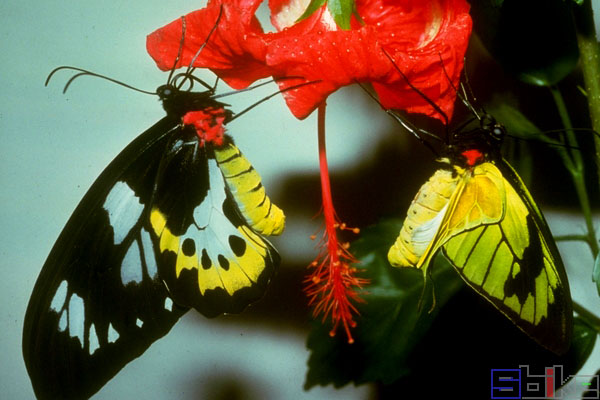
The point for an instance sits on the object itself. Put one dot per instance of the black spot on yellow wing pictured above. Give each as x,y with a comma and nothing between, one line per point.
212,260
188,247
223,263
205,260
238,245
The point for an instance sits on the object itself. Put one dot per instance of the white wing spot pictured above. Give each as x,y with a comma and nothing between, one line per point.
113,335
58,301
124,210
149,254
76,317
139,323
216,195
168,304
214,226
93,336
131,266
62,323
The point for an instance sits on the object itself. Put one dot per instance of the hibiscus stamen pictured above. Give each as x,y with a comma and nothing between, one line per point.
332,286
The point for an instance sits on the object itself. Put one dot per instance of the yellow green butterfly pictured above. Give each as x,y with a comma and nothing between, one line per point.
478,212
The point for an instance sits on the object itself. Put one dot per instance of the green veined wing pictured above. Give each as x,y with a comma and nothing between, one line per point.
480,214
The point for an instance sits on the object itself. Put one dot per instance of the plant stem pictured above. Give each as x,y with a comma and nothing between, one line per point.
590,66
572,238
587,316
574,164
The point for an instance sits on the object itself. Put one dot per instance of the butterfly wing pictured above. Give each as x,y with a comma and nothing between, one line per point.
211,259
495,236
419,238
515,264
99,302
449,203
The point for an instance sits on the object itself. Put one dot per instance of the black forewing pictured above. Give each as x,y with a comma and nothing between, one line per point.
98,302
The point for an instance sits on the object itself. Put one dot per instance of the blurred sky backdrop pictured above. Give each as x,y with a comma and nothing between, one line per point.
53,146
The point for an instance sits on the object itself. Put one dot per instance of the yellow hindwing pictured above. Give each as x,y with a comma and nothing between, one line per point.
497,240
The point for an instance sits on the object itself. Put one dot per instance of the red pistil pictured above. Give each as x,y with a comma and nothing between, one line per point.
332,285
208,124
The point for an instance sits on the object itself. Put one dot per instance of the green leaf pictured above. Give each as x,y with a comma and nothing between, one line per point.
584,340
534,40
596,273
467,340
515,122
312,7
517,152
342,11
390,323
411,352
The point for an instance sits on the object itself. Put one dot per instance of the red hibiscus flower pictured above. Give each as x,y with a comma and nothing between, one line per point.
419,35
425,39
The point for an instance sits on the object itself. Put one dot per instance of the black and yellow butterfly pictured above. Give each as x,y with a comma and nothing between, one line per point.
478,212
174,222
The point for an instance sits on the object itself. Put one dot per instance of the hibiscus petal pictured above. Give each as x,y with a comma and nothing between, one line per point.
336,58
421,37
235,51
427,41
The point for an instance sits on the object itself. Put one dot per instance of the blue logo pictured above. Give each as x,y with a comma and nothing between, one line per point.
521,383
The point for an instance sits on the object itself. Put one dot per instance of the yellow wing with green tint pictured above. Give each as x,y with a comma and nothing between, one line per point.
515,265
208,220
450,202
494,235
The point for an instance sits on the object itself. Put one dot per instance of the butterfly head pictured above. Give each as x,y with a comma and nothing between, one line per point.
473,145
166,91
494,130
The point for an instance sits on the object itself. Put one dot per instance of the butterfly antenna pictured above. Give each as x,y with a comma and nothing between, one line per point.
409,126
471,93
573,130
416,89
179,51
460,92
191,79
190,69
83,72
244,111
252,87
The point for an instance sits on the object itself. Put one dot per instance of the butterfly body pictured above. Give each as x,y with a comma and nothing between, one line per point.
478,212
174,222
